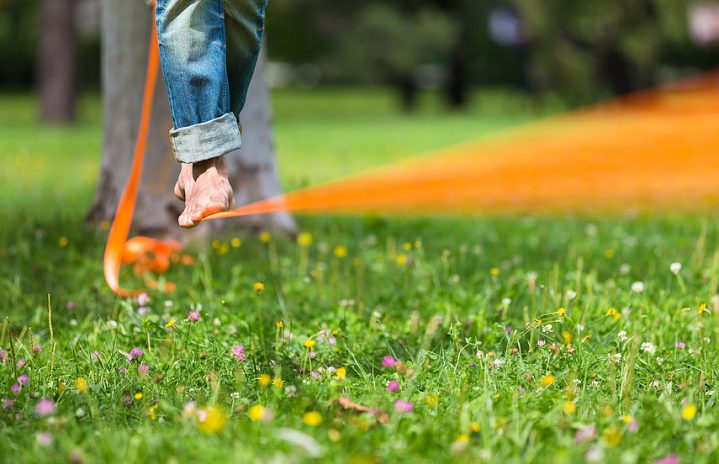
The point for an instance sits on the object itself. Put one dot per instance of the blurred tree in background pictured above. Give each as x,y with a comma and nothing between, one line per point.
579,50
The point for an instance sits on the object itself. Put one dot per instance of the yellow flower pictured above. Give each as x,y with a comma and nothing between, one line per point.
170,323
215,244
63,241
464,438
280,324
474,427
236,242
257,413
340,251
566,336
224,249
264,380
627,419
561,311
569,407
152,412
702,308
431,400
309,343
211,420
138,395
81,385
689,411
277,382
407,246
334,435
401,260
258,286
418,243
612,436
341,373
614,313
312,418
265,237
547,380
304,239
494,271
609,253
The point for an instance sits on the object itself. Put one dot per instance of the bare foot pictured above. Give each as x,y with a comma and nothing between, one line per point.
204,188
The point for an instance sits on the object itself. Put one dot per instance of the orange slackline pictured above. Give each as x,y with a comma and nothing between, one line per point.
118,249
654,151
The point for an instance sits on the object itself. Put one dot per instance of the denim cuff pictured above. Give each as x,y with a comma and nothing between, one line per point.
206,140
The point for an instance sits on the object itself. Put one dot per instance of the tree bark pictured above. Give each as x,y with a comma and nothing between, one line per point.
125,36
57,61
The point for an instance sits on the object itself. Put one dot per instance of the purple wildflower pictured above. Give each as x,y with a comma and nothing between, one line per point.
23,380
681,345
633,426
44,438
238,352
20,362
45,407
143,299
15,388
134,353
37,348
127,400
96,355
71,305
332,340
143,310
389,361
143,369
193,315
122,370
3,355
586,433
7,403
670,459
404,407
393,386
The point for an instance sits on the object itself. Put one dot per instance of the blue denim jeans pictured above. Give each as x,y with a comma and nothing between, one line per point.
208,51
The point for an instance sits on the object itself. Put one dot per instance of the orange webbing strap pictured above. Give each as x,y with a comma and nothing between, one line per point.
115,250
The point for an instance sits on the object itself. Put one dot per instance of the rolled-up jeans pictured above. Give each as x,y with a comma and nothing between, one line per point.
208,51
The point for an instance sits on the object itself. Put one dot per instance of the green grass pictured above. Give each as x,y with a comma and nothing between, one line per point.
495,372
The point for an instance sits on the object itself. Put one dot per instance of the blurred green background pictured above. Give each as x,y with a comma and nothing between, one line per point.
358,83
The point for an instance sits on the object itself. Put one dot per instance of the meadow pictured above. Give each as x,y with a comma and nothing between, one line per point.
362,340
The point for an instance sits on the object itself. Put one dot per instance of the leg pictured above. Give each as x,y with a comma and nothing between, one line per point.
191,35
244,23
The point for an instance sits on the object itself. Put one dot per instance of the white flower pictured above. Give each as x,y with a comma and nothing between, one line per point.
638,287
625,269
622,336
648,347
506,301
547,328
615,357
571,294
655,384
216,322
660,361
676,268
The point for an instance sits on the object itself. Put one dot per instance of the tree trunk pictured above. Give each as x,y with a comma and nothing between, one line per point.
57,63
252,170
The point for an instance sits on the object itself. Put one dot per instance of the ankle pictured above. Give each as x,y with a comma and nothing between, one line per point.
217,163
